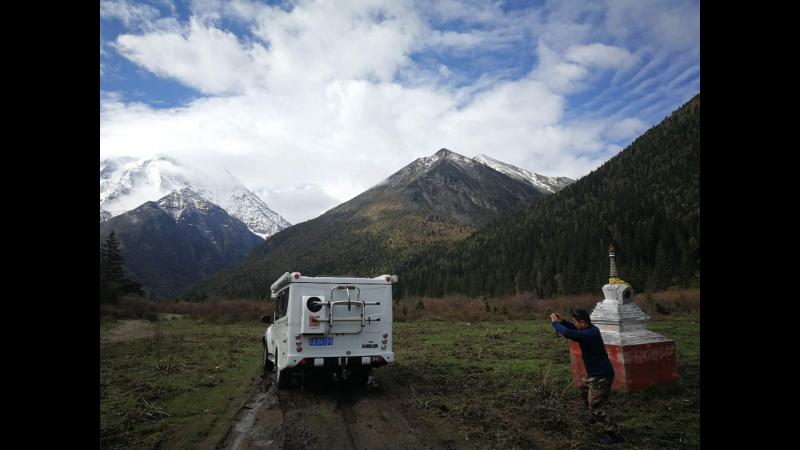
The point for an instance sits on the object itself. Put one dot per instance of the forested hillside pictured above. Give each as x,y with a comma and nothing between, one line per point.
645,201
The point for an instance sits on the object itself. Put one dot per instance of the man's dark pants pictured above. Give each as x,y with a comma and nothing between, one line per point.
595,391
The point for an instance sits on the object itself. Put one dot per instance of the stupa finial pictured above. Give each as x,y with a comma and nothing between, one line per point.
614,276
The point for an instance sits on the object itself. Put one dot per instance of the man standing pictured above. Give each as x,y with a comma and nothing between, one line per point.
596,386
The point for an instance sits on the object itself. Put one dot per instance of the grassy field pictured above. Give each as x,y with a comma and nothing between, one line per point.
507,385
174,383
502,384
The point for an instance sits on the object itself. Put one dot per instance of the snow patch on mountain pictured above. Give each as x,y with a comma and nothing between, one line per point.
126,183
250,209
183,202
445,154
542,183
422,165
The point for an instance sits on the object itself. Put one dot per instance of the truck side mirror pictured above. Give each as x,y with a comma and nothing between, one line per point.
266,319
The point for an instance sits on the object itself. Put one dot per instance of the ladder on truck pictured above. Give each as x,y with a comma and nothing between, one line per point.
350,303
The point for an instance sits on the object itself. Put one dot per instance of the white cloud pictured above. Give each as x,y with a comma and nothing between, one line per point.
457,39
625,129
469,11
168,4
349,135
308,111
601,56
298,203
340,40
694,70
130,14
672,25
201,56
568,72
559,75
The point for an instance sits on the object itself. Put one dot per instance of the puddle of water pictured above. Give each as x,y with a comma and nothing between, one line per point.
245,423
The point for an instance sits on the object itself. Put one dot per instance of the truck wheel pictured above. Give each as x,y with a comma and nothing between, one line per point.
267,363
359,377
281,376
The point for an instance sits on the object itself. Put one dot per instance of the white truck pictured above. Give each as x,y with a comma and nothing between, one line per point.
329,324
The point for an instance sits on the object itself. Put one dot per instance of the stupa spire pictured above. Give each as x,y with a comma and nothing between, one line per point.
613,276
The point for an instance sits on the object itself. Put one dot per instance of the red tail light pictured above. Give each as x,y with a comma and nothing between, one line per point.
378,360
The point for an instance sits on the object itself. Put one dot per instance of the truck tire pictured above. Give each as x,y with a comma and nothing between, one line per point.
282,377
359,377
267,363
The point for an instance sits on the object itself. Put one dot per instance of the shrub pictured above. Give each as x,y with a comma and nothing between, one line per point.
221,311
526,306
129,307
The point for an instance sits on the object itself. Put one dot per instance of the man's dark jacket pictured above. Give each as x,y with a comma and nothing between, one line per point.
593,350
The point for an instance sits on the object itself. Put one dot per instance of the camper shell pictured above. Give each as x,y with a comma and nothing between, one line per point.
329,324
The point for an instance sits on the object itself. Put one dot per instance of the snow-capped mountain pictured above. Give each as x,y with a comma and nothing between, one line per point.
450,185
181,238
433,201
126,183
541,183
250,209
182,203
421,166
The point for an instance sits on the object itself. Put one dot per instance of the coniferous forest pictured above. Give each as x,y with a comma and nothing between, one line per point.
114,282
645,201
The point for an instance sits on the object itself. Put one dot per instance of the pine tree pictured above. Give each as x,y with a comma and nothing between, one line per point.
113,281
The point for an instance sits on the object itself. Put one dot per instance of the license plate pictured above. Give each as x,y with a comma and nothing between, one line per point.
321,342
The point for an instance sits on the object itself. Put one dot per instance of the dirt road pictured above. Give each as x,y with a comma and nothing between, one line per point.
329,414
126,330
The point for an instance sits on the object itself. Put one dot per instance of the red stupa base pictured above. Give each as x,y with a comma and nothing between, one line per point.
636,367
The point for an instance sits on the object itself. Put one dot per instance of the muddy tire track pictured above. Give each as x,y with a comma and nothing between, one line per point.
328,414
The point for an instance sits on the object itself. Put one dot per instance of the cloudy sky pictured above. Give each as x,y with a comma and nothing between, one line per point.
310,103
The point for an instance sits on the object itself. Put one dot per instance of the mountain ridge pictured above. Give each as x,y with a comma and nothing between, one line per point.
127,182
176,241
432,201
543,183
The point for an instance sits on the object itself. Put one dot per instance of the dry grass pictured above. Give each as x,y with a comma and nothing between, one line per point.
526,306
221,311
216,310
675,302
129,308
451,308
